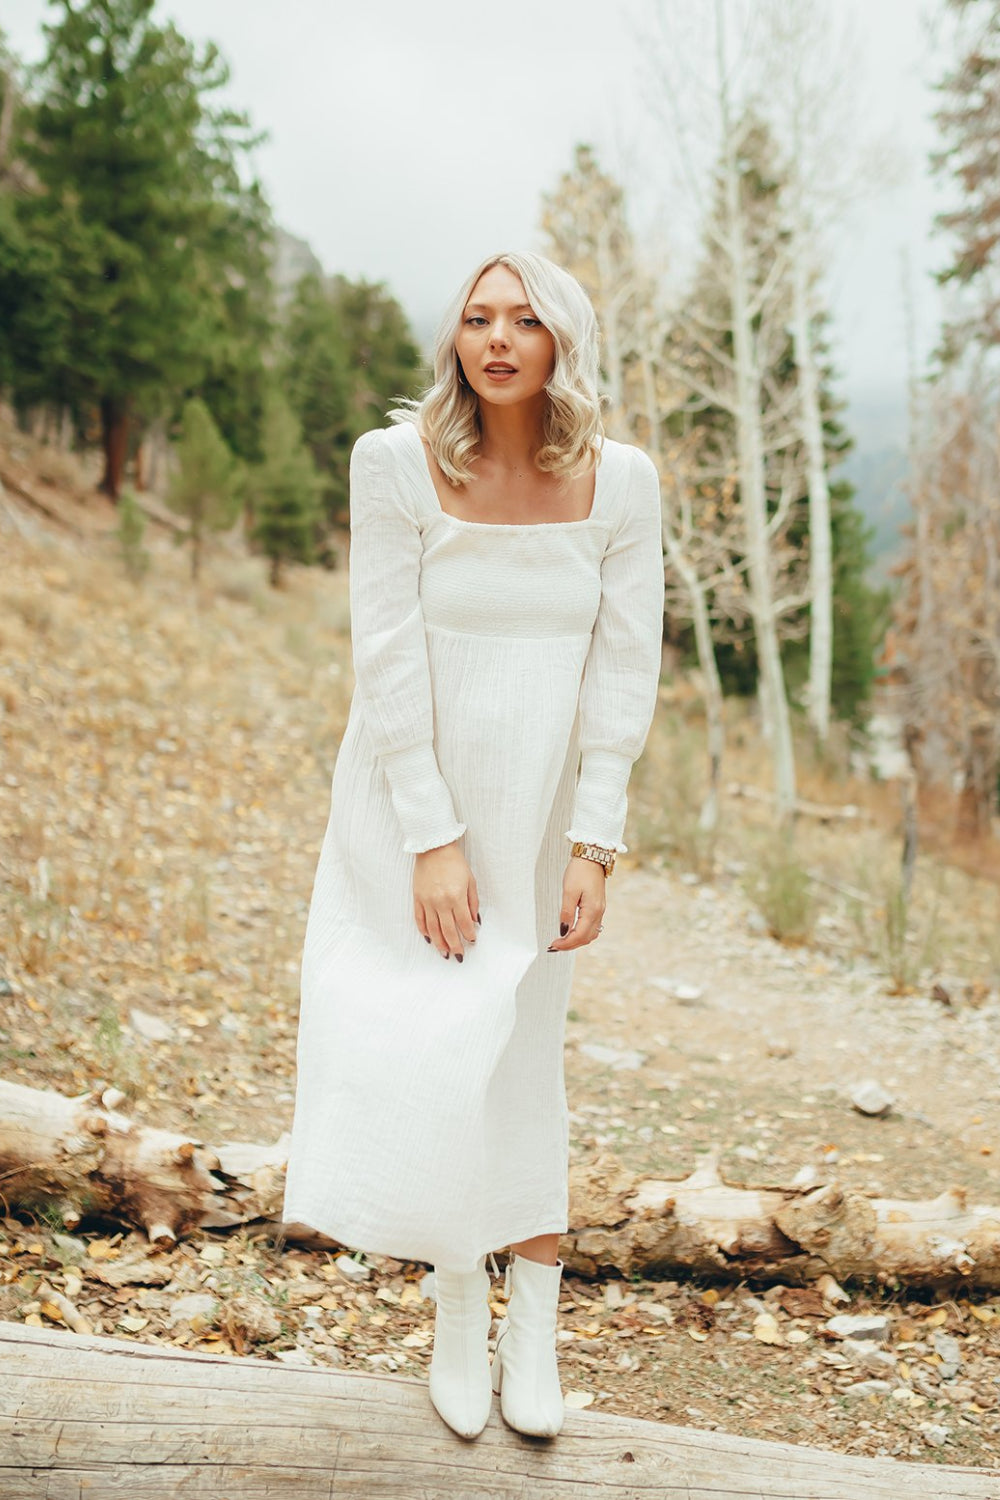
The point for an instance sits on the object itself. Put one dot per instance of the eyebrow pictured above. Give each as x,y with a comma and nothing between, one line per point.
486,307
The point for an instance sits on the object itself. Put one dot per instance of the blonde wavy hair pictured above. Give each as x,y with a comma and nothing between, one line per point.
447,414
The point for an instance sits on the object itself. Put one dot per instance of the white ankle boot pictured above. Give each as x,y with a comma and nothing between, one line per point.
460,1366
524,1368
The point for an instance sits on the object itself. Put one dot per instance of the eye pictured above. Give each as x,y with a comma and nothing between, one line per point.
531,322
475,318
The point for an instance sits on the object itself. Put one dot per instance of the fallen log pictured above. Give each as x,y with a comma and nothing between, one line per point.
106,1418
706,1226
90,1160
823,812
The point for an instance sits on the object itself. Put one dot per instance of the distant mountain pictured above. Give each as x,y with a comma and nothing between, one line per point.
293,259
878,476
876,419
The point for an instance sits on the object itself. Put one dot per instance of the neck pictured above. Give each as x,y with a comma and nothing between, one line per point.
512,435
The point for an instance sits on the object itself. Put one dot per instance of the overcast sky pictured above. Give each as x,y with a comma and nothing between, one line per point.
407,141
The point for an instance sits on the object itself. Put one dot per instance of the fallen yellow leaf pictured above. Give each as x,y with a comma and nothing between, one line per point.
766,1330
103,1250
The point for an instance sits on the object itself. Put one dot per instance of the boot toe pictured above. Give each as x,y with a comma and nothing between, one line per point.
466,1411
538,1418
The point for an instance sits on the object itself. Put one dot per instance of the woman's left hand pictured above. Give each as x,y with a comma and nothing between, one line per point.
584,901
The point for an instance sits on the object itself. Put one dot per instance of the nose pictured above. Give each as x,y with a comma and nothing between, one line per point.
498,335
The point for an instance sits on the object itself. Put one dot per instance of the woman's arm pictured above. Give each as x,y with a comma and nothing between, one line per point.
617,698
391,669
618,692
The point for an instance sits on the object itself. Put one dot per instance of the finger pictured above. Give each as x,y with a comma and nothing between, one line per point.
466,921
420,917
474,902
437,936
568,917
585,930
451,934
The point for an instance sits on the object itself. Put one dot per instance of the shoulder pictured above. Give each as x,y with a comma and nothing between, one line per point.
638,483
641,467
631,463
382,445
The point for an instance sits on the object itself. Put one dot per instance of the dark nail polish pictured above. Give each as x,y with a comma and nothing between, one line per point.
563,928
460,957
551,950
447,955
479,919
426,938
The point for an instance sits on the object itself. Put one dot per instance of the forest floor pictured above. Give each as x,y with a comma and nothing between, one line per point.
166,759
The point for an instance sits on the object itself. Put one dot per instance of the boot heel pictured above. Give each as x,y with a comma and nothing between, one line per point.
496,1369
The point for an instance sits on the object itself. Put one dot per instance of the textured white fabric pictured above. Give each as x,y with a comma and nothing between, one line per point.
506,680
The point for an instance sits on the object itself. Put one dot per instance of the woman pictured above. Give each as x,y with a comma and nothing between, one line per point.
506,579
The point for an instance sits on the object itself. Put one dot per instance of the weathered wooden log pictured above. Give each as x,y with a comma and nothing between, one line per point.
104,1418
88,1158
709,1227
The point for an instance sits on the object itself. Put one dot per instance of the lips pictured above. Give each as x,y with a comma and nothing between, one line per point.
498,368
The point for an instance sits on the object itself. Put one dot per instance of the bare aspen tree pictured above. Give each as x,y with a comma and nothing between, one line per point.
731,368
808,59
585,225
947,620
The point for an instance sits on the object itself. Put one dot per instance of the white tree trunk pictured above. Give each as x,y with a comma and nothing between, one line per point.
750,448
697,593
820,537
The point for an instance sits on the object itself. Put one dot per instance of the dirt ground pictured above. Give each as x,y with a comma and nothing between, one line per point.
165,770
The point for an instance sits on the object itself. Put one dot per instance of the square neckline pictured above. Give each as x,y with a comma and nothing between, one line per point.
446,515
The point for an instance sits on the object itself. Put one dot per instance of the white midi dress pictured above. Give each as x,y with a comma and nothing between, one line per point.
506,677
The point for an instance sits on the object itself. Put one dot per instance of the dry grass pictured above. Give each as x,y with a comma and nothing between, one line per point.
835,884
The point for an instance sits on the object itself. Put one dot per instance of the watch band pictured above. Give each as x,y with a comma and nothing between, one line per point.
600,856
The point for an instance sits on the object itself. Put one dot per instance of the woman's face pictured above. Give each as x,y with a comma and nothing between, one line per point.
506,353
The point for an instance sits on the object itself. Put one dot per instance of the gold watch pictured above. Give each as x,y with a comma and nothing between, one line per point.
605,857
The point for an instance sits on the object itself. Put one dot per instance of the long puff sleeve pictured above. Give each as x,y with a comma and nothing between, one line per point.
618,692
391,669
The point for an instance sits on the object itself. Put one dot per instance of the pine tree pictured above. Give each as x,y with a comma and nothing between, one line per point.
383,358
349,355
140,191
317,382
284,492
131,531
206,487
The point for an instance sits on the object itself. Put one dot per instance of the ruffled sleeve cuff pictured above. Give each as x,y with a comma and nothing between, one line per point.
601,800
421,798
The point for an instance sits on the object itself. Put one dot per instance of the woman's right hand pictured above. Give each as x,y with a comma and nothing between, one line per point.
445,899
